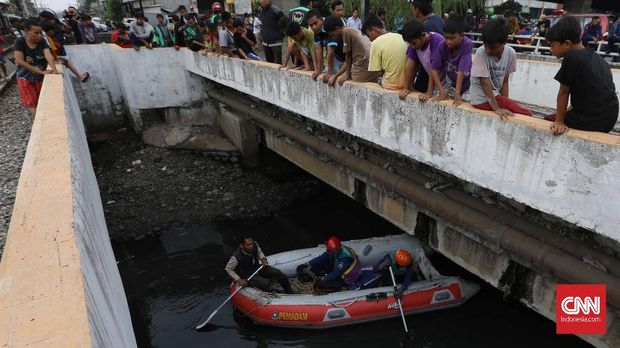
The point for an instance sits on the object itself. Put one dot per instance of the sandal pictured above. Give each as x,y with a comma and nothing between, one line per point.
86,78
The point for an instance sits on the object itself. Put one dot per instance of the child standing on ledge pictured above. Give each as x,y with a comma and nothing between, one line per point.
586,78
492,65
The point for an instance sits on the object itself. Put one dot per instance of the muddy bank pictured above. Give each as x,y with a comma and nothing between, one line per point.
145,188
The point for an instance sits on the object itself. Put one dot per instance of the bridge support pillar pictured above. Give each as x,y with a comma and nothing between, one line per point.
242,133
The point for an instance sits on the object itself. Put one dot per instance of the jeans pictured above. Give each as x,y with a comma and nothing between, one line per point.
253,56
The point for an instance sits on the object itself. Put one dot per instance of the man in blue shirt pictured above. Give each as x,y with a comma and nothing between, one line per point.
337,267
593,31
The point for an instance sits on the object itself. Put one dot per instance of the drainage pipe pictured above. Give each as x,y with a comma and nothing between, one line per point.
544,256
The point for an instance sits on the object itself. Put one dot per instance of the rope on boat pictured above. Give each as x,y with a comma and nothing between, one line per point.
306,288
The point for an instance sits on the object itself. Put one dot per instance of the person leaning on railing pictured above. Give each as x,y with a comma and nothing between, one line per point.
584,77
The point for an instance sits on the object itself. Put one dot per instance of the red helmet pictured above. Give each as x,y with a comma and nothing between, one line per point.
402,257
333,244
216,6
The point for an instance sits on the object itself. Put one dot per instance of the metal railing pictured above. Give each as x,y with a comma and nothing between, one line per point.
537,44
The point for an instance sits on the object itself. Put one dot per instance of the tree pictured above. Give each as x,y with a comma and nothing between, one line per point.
86,7
115,11
509,6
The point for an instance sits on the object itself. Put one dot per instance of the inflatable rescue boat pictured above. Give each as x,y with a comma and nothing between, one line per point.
355,306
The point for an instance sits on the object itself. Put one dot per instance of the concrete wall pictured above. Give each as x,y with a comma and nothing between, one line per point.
125,81
59,284
534,83
572,177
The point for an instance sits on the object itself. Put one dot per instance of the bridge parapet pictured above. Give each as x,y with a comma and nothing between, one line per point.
572,177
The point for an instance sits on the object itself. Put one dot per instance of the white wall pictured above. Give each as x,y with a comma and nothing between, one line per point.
534,83
126,81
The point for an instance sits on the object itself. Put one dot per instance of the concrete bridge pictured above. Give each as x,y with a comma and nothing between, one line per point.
506,200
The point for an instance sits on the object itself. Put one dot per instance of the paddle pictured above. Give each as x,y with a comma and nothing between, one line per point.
368,282
400,307
226,301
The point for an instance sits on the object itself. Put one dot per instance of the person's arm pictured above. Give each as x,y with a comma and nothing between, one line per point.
261,256
318,61
287,55
51,61
442,91
230,268
348,62
559,127
406,281
458,98
319,259
505,90
340,268
306,61
330,63
82,33
485,82
430,89
411,69
245,37
385,262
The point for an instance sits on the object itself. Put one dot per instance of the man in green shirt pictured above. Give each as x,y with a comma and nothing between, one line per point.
303,39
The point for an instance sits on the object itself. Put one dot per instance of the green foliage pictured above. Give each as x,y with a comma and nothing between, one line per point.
85,7
115,11
509,6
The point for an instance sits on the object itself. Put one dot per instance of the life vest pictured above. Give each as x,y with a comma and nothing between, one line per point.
350,275
247,263
396,268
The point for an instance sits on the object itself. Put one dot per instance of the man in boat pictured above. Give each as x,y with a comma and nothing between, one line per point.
246,260
337,267
403,267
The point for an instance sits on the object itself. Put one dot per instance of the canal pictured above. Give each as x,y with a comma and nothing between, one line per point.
176,279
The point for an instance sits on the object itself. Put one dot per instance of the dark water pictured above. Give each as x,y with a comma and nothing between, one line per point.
175,281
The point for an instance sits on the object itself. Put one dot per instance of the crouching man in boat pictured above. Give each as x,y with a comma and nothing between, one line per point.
338,267
402,265
246,260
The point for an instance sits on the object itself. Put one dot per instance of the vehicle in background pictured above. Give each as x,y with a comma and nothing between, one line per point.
99,24
128,21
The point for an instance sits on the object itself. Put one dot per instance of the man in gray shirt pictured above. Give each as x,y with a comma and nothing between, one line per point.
140,32
246,260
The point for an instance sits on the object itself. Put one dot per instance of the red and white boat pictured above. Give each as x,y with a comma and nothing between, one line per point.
355,306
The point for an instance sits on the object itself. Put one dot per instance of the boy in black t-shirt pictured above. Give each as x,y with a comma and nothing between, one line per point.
244,41
586,78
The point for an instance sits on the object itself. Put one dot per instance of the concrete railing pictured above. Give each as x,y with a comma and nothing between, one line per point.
59,283
571,177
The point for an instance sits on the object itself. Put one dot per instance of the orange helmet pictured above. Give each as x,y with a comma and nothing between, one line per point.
333,243
402,257
216,6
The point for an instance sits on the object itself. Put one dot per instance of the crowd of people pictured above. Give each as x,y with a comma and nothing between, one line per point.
430,54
